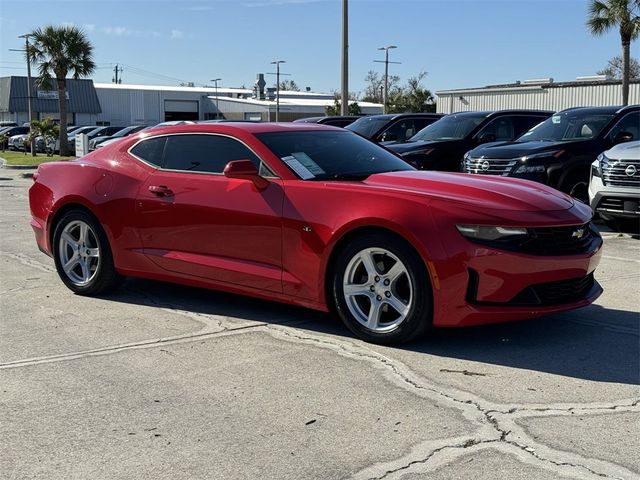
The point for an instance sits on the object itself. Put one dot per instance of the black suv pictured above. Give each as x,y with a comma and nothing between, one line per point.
333,120
441,145
394,127
559,151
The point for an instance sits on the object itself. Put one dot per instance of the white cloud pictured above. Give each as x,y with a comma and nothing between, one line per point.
117,31
89,27
177,34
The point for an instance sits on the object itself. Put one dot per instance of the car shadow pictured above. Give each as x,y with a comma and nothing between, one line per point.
593,343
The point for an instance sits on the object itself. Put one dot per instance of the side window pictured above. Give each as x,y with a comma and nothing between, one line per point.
204,153
629,123
399,131
420,123
150,150
524,123
498,130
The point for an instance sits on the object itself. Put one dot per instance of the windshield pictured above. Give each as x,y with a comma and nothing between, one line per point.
315,155
451,127
368,126
124,132
571,125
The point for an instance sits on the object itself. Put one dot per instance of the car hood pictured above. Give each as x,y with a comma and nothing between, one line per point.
517,150
482,191
417,145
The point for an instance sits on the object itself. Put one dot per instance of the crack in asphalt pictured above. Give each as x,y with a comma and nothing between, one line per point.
493,430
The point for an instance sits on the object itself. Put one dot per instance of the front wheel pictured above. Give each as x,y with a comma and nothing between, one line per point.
381,290
82,254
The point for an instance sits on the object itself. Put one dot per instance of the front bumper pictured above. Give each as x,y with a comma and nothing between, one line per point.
613,201
486,285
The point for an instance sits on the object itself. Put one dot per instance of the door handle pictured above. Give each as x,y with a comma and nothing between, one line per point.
160,190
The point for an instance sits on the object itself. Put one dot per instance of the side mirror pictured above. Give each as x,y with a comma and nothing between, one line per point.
622,137
245,170
486,138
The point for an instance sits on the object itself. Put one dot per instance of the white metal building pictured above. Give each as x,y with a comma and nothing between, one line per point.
543,94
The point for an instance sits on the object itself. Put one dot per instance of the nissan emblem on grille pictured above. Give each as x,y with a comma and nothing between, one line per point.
630,170
485,166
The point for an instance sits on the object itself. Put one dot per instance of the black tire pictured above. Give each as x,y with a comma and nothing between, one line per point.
578,187
103,276
417,321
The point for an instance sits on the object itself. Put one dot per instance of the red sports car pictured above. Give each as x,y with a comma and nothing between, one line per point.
316,216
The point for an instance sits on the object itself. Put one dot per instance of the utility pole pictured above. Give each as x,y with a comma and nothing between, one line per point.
277,74
116,70
344,108
30,93
215,80
386,73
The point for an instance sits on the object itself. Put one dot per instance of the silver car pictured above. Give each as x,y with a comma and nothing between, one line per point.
614,186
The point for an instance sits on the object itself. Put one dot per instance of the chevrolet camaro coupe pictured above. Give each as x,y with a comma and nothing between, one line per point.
315,216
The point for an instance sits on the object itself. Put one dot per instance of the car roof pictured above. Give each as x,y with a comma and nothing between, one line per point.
250,127
610,109
510,111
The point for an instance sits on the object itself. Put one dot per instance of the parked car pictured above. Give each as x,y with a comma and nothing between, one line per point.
19,142
235,207
333,120
96,141
397,127
614,186
5,124
11,131
71,139
559,152
442,145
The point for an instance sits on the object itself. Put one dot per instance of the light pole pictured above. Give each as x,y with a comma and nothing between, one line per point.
215,80
29,93
386,73
277,64
344,108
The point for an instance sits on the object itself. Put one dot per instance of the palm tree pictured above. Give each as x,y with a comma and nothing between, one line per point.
624,14
58,52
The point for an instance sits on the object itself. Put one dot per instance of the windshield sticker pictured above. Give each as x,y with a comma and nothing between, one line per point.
556,119
305,160
302,171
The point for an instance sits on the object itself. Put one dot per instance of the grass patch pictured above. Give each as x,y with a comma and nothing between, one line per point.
19,158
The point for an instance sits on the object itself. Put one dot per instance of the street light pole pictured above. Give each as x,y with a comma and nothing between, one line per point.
29,93
217,102
344,108
386,73
277,64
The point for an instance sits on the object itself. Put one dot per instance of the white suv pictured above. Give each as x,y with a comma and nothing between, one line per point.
614,187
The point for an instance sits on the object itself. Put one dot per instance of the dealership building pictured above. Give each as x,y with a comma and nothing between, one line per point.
542,94
92,103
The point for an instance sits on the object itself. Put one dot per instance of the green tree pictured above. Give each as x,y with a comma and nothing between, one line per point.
614,68
605,15
336,108
48,131
374,91
58,52
289,85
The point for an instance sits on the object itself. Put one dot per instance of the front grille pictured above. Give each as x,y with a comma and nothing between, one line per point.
621,173
619,205
489,166
555,293
559,240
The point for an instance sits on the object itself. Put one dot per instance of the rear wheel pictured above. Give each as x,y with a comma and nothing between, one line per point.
82,255
381,290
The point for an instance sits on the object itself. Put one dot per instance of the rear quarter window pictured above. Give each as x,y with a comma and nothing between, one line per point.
150,150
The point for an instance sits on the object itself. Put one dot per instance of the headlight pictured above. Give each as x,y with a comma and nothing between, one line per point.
554,154
426,151
481,232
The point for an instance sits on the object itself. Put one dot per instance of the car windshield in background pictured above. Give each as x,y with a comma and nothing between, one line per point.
331,155
451,127
367,126
566,126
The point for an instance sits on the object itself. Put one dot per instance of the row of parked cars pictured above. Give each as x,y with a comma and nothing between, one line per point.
17,136
566,150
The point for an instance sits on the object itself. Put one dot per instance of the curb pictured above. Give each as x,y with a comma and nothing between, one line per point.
3,164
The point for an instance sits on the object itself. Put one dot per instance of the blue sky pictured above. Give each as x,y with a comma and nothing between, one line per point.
459,43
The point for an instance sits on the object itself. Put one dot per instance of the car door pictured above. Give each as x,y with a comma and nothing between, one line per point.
195,221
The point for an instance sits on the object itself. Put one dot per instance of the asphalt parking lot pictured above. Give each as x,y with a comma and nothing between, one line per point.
163,381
